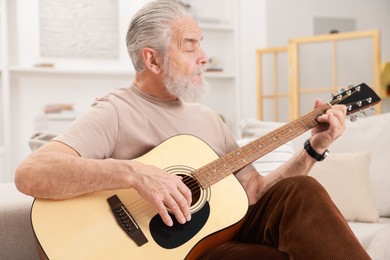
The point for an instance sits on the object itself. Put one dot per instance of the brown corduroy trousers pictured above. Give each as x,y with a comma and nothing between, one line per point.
295,219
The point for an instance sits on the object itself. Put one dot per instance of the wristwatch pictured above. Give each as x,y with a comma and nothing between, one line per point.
313,153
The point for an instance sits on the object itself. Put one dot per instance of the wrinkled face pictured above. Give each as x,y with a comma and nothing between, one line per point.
185,61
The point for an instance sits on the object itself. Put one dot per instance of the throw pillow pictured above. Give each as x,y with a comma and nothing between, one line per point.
345,176
371,133
254,128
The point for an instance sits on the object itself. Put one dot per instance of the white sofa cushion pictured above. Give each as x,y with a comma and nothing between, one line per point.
272,160
367,231
252,129
378,248
372,134
368,134
346,178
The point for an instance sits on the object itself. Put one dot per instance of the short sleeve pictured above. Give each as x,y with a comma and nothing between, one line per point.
94,133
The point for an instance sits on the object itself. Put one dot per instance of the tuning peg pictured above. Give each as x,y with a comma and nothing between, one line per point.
350,86
372,109
353,118
334,97
363,112
341,90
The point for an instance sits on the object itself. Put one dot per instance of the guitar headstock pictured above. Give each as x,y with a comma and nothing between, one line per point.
356,99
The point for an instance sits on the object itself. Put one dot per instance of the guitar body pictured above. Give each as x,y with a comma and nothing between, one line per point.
85,227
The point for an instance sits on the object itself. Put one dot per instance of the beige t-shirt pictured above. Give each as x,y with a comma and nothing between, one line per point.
127,123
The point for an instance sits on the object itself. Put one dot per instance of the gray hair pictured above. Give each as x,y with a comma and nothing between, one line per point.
151,27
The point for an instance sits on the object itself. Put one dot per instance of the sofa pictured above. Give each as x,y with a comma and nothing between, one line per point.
362,194
356,174
17,239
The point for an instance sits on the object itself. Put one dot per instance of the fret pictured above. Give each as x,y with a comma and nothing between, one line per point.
212,172
216,172
201,176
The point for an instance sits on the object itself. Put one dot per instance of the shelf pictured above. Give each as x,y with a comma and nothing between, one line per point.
219,75
216,26
64,115
92,71
81,71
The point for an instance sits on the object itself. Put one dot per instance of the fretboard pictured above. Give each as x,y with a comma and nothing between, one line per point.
238,159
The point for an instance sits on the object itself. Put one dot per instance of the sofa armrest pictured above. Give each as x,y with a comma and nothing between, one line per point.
17,240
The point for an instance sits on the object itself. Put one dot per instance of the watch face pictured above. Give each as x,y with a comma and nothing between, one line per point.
325,154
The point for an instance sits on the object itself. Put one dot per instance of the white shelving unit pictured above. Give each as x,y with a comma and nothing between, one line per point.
25,89
221,42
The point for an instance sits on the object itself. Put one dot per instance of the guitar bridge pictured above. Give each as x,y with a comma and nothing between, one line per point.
126,221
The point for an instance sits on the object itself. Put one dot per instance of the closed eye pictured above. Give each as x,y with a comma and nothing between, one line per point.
190,45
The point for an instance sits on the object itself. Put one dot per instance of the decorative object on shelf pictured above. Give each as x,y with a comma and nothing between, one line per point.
199,15
57,108
214,65
44,65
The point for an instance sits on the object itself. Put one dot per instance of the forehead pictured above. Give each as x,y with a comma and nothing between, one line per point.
184,29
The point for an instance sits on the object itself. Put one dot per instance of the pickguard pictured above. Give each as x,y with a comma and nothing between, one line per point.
178,234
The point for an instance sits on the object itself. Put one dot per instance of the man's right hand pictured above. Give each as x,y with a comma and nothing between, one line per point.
166,192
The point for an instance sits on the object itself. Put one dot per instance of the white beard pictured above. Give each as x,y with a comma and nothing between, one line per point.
185,87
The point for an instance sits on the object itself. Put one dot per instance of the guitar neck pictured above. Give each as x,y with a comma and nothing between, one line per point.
238,159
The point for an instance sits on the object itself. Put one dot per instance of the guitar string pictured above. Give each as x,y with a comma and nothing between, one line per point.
141,206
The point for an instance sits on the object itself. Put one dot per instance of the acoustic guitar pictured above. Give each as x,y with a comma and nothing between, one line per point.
119,224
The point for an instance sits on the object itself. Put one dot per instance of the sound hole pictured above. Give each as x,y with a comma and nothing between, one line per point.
199,195
194,187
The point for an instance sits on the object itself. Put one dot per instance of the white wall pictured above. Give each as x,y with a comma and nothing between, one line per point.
253,36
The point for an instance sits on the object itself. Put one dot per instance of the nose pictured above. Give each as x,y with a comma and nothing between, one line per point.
202,58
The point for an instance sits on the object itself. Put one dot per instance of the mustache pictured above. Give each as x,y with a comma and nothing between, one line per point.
199,71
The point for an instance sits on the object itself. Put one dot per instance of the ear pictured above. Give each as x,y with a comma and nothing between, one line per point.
152,60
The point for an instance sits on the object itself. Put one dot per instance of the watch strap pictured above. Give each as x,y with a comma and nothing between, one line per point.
313,153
